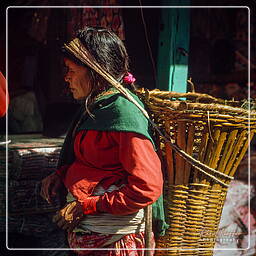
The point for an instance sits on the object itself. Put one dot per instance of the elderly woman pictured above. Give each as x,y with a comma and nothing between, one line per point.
108,163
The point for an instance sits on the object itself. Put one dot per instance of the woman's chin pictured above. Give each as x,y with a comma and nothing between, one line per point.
80,97
76,97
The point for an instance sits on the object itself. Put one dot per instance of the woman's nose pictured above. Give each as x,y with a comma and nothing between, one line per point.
67,78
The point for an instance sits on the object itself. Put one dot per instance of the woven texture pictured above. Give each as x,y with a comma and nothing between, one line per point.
214,132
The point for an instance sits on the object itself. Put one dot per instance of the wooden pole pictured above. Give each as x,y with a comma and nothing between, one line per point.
148,229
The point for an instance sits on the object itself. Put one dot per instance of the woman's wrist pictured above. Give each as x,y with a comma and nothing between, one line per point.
57,174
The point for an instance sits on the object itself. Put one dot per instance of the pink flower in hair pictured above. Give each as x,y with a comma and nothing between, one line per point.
129,78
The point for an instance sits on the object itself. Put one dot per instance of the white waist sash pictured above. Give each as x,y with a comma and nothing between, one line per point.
106,223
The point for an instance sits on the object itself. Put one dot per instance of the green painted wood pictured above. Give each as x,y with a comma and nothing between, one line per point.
172,66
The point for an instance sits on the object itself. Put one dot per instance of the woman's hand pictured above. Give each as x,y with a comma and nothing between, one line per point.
69,216
50,185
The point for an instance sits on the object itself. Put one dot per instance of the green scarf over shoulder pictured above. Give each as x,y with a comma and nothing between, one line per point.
114,112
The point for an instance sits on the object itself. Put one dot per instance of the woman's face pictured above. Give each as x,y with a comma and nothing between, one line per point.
78,79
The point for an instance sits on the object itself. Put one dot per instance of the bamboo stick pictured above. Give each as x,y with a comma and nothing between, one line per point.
203,145
189,150
209,151
179,105
202,150
227,150
217,150
169,156
212,146
236,150
148,229
242,153
181,137
169,94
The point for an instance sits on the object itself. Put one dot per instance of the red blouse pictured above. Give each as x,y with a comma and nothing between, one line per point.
108,158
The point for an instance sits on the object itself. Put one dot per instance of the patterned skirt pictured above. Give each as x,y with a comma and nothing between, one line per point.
128,245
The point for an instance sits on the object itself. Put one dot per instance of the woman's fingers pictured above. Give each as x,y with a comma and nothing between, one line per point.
70,209
68,217
45,189
55,188
49,187
61,219
72,225
56,217
61,223
67,225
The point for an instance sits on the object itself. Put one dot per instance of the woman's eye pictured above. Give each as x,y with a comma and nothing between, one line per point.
65,70
70,71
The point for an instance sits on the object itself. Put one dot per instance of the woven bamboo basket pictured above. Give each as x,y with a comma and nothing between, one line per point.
214,133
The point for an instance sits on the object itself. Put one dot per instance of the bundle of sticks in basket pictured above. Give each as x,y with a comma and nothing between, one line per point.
214,134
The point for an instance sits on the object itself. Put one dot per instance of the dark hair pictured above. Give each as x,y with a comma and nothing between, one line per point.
108,50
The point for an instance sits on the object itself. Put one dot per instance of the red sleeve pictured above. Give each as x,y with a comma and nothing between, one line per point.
3,93
145,181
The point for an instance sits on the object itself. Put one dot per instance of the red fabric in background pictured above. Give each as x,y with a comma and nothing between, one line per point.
3,92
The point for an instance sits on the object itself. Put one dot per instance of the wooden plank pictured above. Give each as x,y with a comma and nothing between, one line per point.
238,145
217,150
227,151
241,154
169,156
189,150
179,161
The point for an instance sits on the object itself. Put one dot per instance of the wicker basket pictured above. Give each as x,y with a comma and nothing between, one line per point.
214,133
